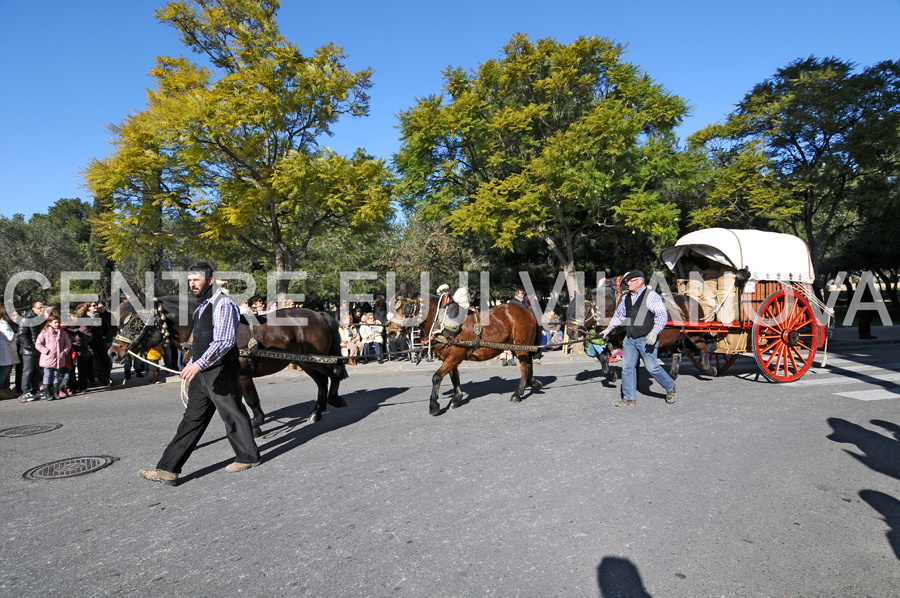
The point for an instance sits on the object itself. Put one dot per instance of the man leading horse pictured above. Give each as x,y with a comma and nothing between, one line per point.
212,377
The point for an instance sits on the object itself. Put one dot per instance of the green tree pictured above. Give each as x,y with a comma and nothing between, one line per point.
42,245
550,141
230,159
811,148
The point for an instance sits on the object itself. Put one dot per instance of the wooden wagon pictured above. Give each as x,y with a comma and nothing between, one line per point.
755,290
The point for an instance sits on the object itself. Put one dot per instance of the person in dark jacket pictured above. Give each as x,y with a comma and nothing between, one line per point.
212,377
29,329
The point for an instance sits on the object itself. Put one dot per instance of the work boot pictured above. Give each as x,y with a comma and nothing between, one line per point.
159,475
671,395
234,467
624,403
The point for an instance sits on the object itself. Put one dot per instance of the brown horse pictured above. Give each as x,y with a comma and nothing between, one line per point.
508,323
318,336
685,309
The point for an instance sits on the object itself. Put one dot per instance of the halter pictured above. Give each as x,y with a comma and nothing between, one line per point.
136,326
406,308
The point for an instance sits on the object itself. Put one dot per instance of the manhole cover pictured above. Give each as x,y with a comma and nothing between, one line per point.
68,468
29,430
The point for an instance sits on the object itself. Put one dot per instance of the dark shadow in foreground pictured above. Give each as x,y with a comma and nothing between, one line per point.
889,507
619,578
880,452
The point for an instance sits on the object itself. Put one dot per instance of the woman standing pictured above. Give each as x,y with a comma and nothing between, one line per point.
9,357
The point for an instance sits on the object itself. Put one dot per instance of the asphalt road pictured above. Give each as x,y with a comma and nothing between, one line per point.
741,488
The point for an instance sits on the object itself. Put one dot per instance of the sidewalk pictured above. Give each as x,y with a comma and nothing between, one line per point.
846,337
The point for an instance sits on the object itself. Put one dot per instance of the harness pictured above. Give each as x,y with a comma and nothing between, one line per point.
135,322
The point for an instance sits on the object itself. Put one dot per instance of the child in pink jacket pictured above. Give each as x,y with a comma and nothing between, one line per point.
52,344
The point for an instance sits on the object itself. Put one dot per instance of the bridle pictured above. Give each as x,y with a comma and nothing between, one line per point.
135,323
406,308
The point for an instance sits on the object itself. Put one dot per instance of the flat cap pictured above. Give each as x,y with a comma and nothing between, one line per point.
633,274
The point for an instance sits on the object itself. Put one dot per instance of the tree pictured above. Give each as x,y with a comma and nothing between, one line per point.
232,157
816,144
41,245
550,141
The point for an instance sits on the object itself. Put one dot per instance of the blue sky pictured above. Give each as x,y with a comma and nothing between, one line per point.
70,67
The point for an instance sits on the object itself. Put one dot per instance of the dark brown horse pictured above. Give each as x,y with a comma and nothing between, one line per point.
508,323
597,315
318,336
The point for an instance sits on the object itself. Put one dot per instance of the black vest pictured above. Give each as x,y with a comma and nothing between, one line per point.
203,336
640,319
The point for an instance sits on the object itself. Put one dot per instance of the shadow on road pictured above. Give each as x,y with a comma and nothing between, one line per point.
889,507
288,434
881,453
619,578
360,404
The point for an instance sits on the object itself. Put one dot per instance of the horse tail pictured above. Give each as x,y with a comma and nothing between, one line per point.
339,369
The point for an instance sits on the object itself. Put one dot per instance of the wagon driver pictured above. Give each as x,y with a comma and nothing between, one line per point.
212,377
644,316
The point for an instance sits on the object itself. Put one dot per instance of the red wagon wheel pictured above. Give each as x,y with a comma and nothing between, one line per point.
785,336
721,361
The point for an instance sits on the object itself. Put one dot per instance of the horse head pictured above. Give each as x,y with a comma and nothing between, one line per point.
141,330
409,312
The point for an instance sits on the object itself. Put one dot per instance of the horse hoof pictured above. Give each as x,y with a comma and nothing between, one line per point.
712,372
257,432
612,377
314,417
434,409
337,401
515,399
536,385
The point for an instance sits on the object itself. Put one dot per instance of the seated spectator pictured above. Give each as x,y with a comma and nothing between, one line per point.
552,325
372,332
351,344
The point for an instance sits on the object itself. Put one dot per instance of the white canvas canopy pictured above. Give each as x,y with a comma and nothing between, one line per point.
768,256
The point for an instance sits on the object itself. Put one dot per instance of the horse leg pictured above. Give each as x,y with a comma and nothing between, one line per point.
524,364
611,375
334,399
533,382
448,366
251,397
676,364
457,391
706,364
321,381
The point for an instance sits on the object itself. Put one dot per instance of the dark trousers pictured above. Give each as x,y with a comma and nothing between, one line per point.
102,363
214,389
31,372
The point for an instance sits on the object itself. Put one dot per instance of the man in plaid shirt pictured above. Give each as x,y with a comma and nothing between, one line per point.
213,383
644,314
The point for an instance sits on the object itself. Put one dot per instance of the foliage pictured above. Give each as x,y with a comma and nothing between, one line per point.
227,159
45,245
550,141
814,147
